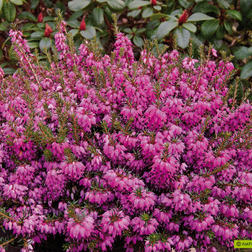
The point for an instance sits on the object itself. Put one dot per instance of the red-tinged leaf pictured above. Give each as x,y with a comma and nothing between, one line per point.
83,25
40,17
48,31
183,18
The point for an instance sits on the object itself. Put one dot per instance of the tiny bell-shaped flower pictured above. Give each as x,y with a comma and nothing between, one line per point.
83,25
153,2
48,31
183,18
1,73
40,17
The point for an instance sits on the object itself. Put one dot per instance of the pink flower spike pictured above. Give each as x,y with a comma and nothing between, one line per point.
214,52
1,73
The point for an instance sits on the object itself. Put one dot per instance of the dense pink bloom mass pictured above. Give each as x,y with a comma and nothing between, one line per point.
155,152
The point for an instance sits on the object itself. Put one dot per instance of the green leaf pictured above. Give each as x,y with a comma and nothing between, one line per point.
133,13
52,24
78,42
9,70
198,7
190,27
102,33
108,11
74,23
127,30
89,33
1,54
126,2
77,5
198,17
147,12
185,4
217,43
27,15
138,41
17,2
9,11
12,54
183,36
246,71
48,18
45,42
140,30
4,64
157,16
176,12
6,40
223,4
196,41
210,8
61,7
243,52
99,29
129,36
1,4
220,33
48,3
246,83
157,7
116,4
41,25
33,44
170,3
73,32
209,27
28,26
37,35
76,15
228,27
249,14
135,4
152,24
234,14
134,29
98,15
34,4
165,28
4,26
224,47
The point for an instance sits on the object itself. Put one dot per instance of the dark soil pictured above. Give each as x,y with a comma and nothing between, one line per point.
52,244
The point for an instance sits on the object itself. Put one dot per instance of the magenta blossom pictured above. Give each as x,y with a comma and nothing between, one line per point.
114,222
80,227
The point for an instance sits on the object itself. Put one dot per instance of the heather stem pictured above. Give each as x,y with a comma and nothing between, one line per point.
8,217
5,243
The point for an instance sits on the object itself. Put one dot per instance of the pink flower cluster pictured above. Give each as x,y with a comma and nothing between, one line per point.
82,226
154,152
114,222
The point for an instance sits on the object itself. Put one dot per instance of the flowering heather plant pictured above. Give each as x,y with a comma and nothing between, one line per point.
97,148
